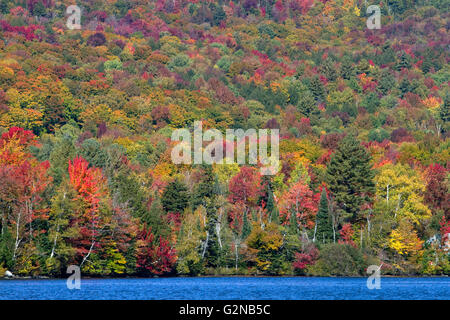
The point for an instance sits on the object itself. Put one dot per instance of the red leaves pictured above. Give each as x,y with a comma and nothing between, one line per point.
155,257
23,179
87,182
245,186
27,31
301,201
236,216
305,259
346,234
160,115
22,176
23,137
436,194
445,232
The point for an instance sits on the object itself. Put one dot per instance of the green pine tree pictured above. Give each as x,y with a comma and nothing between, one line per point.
444,113
306,103
154,218
386,82
324,228
317,88
246,227
272,209
363,67
293,224
6,249
404,62
206,188
4,6
212,250
347,69
219,14
350,177
175,197
328,69
39,10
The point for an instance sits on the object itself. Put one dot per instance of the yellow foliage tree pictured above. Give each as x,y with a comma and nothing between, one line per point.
404,240
401,189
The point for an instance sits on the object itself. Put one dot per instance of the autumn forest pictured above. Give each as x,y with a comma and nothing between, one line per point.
87,115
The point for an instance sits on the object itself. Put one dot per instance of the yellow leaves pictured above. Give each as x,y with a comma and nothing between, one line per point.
404,240
357,11
347,5
158,57
6,73
275,86
301,148
125,142
204,102
402,189
119,117
102,50
129,49
163,171
225,172
25,118
268,239
173,40
263,245
96,114
432,103
341,98
177,116
262,264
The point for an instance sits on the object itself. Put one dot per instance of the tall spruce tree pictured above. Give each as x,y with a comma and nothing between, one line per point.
206,193
154,218
268,198
347,69
206,188
328,69
317,88
246,227
350,177
212,248
306,104
404,62
324,228
444,112
175,197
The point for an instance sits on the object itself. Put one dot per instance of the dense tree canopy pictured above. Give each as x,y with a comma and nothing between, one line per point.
87,115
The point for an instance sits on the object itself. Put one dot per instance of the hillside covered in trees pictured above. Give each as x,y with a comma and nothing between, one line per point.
86,118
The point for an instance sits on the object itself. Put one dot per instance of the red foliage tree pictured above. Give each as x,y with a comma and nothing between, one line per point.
23,180
346,234
245,186
436,194
89,185
305,258
301,201
155,257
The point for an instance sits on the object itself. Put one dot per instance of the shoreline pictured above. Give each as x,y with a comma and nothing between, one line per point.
218,276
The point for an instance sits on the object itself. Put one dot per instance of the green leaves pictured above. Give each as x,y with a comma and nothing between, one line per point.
350,177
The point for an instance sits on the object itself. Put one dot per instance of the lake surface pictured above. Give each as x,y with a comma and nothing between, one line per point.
229,288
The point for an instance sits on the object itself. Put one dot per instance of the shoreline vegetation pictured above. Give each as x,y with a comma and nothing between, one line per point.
87,117
221,276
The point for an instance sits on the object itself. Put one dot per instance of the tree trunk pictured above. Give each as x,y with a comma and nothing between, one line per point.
206,244
88,254
54,241
236,252
17,242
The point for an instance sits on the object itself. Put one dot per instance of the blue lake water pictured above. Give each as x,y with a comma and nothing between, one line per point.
229,288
